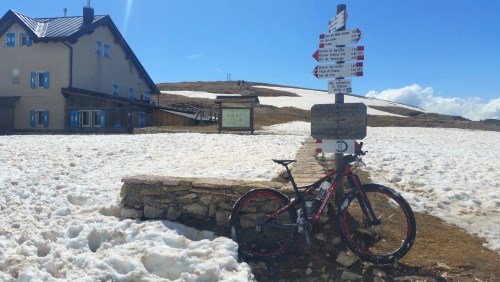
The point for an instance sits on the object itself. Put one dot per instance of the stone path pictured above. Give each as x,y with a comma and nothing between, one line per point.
307,169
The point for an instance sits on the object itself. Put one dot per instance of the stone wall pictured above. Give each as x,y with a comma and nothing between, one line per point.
156,197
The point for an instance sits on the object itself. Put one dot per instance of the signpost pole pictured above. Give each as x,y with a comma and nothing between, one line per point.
339,99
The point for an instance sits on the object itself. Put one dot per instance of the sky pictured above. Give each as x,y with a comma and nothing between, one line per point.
433,54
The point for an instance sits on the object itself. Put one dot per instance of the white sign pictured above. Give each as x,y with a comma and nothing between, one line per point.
340,38
330,146
356,53
339,70
338,22
339,86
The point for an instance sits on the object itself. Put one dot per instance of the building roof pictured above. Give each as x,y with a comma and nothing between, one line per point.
69,29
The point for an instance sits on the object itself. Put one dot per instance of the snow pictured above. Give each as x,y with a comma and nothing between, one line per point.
450,173
59,205
306,99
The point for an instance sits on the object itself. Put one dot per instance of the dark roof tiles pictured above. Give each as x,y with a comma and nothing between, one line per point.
55,27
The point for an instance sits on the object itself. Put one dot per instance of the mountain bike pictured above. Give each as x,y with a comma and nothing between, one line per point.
375,222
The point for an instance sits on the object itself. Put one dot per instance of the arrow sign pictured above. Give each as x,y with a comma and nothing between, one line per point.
338,22
339,70
339,86
340,38
340,54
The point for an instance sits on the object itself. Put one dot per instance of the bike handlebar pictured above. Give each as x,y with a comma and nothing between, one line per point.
358,152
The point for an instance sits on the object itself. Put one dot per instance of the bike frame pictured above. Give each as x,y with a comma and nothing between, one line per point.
354,183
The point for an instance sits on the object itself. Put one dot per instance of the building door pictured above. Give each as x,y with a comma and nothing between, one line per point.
142,119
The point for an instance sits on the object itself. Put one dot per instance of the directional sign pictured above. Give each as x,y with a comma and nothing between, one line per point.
339,86
338,22
338,121
340,38
340,54
330,146
339,70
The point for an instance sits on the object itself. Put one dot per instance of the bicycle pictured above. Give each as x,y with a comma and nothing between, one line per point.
375,222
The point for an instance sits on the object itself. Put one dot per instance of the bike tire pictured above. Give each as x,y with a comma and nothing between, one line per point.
262,243
384,243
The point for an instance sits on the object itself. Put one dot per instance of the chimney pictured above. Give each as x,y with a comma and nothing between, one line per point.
65,10
88,14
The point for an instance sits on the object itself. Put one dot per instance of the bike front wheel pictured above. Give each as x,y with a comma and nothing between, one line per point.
384,241
257,236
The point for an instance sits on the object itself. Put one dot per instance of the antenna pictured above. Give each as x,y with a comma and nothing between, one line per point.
88,3
65,10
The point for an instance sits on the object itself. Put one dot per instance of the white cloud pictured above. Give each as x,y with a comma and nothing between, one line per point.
195,56
219,70
472,108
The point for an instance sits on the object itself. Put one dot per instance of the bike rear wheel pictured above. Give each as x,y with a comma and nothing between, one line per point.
379,243
257,239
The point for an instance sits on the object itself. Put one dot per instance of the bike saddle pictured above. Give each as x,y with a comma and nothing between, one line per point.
284,162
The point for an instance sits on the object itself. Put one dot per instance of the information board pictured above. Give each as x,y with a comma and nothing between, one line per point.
235,118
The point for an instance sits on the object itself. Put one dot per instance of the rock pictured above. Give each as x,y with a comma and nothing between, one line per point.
336,241
323,269
151,212
222,217
379,273
346,260
324,277
131,213
188,198
321,237
173,213
349,276
443,266
378,279
309,271
212,209
196,209
414,279
225,205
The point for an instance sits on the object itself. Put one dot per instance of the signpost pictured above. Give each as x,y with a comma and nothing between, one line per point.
337,22
330,146
339,70
340,38
340,54
336,126
339,86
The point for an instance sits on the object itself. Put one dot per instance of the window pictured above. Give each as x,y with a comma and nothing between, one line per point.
98,47
85,118
130,67
96,118
39,80
24,39
146,96
39,118
10,39
106,50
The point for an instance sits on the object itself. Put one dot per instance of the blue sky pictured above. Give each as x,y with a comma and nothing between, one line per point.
451,47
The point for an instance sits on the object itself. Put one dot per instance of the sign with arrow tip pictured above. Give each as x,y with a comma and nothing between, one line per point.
339,86
339,70
340,38
340,54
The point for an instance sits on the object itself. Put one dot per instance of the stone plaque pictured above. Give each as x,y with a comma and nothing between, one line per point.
338,121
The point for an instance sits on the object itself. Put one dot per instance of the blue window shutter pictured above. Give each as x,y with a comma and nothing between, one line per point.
106,50
11,39
142,119
45,117
28,39
102,117
115,89
131,93
98,47
33,118
75,118
33,80
46,79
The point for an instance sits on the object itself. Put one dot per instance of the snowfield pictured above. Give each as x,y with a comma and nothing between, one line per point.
59,205
306,99
453,174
